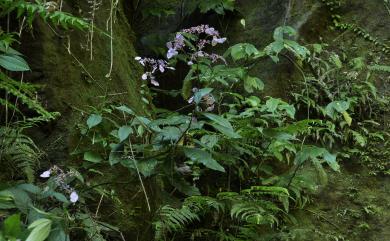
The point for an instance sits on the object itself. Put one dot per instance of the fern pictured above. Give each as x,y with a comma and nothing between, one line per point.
383,68
24,92
31,10
255,212
172,219
18,150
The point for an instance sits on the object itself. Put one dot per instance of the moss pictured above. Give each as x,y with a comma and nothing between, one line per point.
70,90
71,87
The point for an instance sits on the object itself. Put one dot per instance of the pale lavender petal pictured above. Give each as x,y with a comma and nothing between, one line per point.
74,197
171,53
217,41
46,174
137,58
144,76
154,82
161,68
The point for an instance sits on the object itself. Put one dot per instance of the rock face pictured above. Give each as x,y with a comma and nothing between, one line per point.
74,83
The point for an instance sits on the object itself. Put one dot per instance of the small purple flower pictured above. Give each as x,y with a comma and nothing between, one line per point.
153,81
144,76
211,31
171,53
217,40
74,197
46,174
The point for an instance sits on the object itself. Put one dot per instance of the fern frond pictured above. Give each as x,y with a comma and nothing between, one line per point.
31,10
173,220
382,68
255,212
25,94
19,151
203,204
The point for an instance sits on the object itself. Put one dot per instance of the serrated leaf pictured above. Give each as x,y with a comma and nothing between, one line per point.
124,132
347,118
253,83
94,120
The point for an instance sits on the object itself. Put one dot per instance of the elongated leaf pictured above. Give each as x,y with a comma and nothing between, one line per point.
201,156
219,120
229,132
125,109
40,230
13,63
92,157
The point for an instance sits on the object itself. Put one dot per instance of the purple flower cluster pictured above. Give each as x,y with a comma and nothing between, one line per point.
205,36
153,65
61,180
175,46
204,33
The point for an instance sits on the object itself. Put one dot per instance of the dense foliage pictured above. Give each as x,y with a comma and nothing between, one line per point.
229,162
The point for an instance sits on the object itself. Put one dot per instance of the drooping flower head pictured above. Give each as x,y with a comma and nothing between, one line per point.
61,179
151,66
205,35
193,48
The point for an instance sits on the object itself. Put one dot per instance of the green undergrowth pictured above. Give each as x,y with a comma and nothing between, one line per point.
229,162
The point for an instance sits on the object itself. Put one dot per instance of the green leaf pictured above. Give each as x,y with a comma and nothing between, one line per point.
116,153
313,153
40,230
94,120
60,197
125,109
219,120
92,157
12,226
347,118
222,125
124,132
229,132
336,106
200,156
331,160
209,140
253,83
272,104
58,234
359,139
253,101
13,63
336,60
169,133
147,168
200,93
